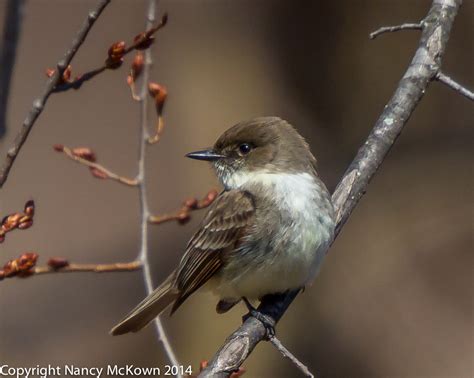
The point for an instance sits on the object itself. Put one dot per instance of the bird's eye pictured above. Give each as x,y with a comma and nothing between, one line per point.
245,148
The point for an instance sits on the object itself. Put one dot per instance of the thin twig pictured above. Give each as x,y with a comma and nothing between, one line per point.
391,29
98,170
78,81
411,88
25,266
11,35
184,213
159,130
81,79
287,354
39,103
95,268
454,85
144,209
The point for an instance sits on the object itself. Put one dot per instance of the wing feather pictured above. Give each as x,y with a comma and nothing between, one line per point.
221,229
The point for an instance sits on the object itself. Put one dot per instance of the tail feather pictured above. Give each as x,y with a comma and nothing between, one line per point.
148,309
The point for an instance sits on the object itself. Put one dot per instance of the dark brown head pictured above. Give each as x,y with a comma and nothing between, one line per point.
261,145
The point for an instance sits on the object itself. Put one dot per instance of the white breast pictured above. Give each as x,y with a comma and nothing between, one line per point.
305,199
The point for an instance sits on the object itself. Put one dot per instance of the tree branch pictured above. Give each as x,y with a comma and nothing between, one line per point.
141,41
24,266
287,354
391,29
95,268
96,169
144,209
184,213
441,77
39,103
11,35
423,68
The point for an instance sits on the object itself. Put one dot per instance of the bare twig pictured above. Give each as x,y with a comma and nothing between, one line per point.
184,213
97,170
11,35
391,29
144,210
18,268
287,354
78,81
455,86
159,130
39,103
422,69
95,268
140,42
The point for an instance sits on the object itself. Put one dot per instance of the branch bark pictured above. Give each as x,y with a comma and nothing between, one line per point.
11,35
445,79
391,29
39,103
423,68
93,268
97,169
141,180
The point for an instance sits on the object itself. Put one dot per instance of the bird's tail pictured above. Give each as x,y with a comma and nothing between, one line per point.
148,309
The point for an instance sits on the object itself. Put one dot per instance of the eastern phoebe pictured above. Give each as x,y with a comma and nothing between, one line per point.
266,233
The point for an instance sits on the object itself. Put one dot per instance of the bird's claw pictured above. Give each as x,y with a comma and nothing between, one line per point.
267,321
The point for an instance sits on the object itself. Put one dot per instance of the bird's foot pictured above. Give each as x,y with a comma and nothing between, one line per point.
267,321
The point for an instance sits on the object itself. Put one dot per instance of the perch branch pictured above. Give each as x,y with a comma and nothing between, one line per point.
144,209
39,103
11,35
441,77
391,29
422,69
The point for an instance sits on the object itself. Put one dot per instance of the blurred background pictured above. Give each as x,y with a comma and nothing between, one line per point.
395,295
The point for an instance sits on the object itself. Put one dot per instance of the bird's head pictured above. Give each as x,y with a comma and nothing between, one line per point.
261,145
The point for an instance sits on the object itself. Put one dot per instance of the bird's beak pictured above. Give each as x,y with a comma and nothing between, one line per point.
208,155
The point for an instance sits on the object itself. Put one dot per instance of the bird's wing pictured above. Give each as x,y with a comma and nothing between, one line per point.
221,229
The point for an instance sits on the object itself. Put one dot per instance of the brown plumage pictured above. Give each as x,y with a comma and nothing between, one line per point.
220,231
268,232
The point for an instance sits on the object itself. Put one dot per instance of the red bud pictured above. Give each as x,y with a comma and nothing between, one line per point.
58,147
138,63
159,93
26,224
57,262
85,153
50,72
67,74
30,208
116,50
97,173
142,41
183,217
191,203
21,265
203,364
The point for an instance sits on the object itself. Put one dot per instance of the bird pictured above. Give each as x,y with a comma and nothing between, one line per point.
267,232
